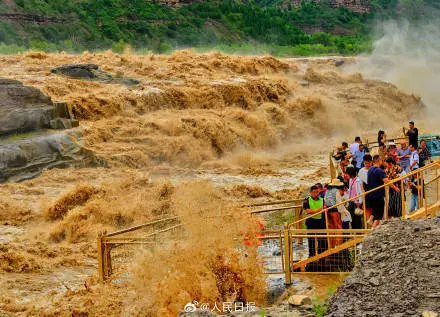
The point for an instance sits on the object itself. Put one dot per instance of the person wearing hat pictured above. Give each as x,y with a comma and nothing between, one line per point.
333,215
413,135
314,205
392,150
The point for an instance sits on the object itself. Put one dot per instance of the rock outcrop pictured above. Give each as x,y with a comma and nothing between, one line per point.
26,109
398,273
23,108
25,159
32,18
91,72
359,6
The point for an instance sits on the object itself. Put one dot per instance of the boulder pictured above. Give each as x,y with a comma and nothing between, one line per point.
338,62
79,71
92,72
25,159
299,300
23,108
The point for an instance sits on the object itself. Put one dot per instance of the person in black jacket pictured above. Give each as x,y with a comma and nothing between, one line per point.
413,135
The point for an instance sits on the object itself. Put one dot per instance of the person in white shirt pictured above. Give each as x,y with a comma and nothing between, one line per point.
355,146
354,190
345,214
363,172
414,158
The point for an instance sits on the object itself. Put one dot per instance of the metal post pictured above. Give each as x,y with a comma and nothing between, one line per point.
101,268
364,207
419,196
387,201
332,167
281,251
287,251
326,227
436,183
422,201
298,225
402,195
107,260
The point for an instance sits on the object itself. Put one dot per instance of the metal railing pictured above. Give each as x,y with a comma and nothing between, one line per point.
296,257
114,249
418,174
336,250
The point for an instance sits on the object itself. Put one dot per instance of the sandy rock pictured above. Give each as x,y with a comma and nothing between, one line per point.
299,300
428,313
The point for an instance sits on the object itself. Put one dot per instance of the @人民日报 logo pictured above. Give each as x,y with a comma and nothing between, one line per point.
190,307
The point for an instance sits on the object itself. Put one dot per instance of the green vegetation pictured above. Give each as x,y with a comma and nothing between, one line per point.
255,26
19,136
320,306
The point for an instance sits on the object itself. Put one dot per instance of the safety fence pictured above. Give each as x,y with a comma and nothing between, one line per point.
275,214
308,251
421,184
333,250
116,249
293,248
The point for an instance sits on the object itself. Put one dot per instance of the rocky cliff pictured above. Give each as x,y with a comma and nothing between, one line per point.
360,6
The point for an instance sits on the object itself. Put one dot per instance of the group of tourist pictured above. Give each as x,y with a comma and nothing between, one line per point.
359,171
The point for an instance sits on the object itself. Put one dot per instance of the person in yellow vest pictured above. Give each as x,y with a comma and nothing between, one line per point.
314,204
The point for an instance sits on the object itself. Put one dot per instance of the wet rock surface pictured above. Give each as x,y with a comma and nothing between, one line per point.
91,72
23,108
398,273
25,159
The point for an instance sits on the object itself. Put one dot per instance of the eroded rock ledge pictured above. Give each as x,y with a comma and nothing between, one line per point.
28,140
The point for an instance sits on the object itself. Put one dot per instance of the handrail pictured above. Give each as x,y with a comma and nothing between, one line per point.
422,169
275,209
139,226
376,144
431,181
277,202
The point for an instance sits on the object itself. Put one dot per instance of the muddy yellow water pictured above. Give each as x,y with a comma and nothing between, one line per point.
200,135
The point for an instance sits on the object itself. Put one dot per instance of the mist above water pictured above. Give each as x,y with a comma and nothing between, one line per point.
408,56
